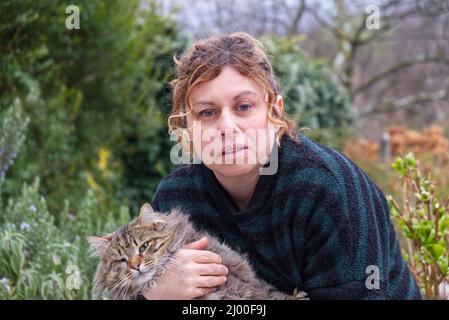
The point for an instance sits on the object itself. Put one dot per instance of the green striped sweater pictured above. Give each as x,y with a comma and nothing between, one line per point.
319,224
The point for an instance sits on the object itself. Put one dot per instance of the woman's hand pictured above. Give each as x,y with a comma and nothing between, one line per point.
197,272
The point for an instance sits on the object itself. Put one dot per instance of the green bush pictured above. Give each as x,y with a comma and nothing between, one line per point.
40,258
423,220
312,96
93,101
93,104
102,87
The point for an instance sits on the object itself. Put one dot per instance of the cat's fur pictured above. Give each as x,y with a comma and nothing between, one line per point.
165,234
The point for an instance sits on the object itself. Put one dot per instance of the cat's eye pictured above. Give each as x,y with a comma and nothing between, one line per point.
123,260
143,247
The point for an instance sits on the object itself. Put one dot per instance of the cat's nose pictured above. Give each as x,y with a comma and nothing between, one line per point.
134,263
136,266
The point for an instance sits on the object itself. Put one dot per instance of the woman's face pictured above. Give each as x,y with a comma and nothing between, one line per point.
230,129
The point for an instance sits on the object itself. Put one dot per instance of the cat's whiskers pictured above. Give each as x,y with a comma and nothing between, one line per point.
126,287
114,290
155,261
121,293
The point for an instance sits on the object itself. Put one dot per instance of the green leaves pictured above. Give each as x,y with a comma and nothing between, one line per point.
438,250
403,165
311,95
12,136
424,222
12,254
410,160
443,226
425,231
35,252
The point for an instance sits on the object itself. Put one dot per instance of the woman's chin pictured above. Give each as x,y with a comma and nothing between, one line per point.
233,170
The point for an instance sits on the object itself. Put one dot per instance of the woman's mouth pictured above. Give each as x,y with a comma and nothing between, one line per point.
233,149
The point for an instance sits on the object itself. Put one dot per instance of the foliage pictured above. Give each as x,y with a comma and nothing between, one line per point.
40,259
93,104
424,221
312,96
92,100
12,137
101,87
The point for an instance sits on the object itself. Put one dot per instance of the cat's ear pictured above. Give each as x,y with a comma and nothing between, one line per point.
98,244
146,214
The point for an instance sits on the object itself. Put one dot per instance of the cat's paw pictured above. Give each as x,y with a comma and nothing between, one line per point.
300,295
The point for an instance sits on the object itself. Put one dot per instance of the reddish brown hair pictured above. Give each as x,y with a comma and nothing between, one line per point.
204,61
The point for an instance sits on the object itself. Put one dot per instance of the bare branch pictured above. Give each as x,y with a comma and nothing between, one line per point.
339,34
407,101
420,59
297,18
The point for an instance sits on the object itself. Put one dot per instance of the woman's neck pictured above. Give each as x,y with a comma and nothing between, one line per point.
240,188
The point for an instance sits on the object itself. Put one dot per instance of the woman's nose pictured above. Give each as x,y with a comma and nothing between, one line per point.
227,122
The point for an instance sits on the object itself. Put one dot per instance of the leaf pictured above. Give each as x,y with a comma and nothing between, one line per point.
410,160
443,226
437,250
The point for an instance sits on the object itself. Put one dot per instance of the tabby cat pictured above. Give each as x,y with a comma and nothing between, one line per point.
137,253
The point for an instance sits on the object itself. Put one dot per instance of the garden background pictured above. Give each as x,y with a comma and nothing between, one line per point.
83,117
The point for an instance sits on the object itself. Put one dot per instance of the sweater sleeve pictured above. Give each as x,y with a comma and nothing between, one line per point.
350,248
332,269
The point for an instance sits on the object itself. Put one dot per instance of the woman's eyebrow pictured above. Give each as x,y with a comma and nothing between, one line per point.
204,103
243,93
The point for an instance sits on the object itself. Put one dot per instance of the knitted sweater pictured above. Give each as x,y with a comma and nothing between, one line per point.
319,224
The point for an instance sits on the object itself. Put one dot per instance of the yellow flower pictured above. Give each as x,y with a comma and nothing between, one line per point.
103,158
91,181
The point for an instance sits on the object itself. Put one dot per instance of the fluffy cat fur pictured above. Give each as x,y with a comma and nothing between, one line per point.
136,254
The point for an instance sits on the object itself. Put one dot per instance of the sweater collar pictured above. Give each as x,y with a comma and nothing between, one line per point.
260,198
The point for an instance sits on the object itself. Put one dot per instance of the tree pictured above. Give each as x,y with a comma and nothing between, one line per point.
347,23
313,98
95,96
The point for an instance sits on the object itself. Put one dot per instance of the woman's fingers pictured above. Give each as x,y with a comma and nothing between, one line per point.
211,281
197,256
205,256
199,292
212,269
198,245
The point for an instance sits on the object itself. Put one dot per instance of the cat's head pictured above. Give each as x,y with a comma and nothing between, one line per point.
132,255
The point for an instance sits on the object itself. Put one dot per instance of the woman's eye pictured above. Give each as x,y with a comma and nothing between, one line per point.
143,247
244,107
206,113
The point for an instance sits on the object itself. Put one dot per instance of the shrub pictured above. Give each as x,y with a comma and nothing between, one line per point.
101,87
312,96
40,258
423,219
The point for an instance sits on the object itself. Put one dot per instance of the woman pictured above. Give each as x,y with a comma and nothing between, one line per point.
306,215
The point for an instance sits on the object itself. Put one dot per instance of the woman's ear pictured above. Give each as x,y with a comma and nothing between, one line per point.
279,105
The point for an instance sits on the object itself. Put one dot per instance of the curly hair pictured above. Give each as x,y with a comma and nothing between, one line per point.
204,60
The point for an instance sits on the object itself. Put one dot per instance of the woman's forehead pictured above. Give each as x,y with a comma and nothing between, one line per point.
228,85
